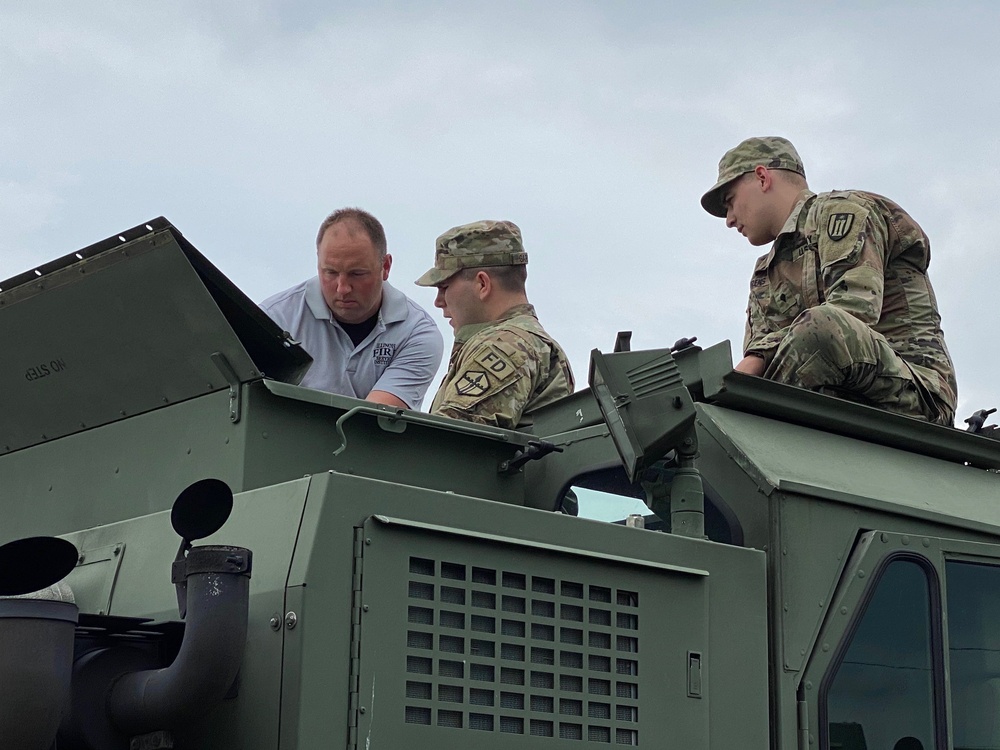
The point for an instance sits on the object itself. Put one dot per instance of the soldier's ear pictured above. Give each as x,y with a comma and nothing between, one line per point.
484,284
763,178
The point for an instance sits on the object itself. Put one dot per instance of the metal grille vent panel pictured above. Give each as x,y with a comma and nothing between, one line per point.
497,650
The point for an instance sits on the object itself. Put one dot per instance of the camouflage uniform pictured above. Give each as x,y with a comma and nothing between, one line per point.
500,370
842,302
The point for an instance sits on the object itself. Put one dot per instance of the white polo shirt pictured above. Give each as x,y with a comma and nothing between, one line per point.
400,356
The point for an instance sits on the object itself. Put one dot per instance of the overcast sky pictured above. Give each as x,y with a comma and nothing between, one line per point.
594,126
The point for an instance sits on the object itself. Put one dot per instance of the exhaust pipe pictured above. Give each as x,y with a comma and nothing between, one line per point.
36,640
218,594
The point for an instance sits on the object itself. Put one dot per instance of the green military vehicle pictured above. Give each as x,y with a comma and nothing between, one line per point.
201,554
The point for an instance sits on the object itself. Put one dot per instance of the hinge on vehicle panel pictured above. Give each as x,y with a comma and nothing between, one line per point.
227,371
355,672
803,711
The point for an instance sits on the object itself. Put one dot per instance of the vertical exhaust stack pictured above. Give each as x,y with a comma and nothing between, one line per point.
36,640
213,584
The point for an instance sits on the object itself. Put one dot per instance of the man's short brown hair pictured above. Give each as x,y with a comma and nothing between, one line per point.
508,278
368,224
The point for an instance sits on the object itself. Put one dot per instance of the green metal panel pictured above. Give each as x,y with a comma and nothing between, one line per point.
288,426
720,617
791,404
467,642
266,521
796,458
121,470
119,334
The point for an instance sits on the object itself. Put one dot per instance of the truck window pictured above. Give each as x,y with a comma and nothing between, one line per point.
974,653
882,688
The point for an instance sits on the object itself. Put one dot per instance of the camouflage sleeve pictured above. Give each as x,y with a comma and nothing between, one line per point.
492,384
852,245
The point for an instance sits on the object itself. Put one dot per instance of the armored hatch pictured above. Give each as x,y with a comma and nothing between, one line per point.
136,322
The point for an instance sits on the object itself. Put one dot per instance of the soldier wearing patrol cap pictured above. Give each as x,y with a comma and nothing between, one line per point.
841,303
503,363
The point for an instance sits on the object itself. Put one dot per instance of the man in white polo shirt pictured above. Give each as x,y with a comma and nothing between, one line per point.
367,339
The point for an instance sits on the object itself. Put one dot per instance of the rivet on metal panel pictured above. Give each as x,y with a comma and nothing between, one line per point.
843,610
826,646
291,620
361,710
822,604
809,686
275,623
264,435
785,608
368,540
116,469
905,540
365,608
861,574
926,542
80,559
884,537
117,550
189,451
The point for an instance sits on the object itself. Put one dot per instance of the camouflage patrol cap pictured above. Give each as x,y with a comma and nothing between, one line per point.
772,152
475,245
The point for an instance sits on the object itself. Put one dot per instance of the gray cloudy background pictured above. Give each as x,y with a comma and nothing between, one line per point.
596,126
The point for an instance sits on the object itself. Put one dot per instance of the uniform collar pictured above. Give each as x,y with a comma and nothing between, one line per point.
466,332
791,224
393,307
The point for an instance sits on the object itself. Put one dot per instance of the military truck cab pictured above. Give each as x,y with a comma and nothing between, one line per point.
810,572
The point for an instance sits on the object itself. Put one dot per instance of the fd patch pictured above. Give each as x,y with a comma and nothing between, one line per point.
839,225
496,362
472,383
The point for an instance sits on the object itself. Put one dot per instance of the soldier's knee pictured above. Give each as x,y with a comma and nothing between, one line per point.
821,331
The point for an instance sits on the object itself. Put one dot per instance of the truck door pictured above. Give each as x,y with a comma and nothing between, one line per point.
908,657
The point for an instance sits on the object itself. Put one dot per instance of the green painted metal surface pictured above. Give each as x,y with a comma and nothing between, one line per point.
408,591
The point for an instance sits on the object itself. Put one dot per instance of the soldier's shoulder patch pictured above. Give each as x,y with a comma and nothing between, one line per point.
472,383
838,226
498,362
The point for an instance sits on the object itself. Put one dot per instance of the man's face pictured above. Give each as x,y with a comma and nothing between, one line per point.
351,273
458,298
747,209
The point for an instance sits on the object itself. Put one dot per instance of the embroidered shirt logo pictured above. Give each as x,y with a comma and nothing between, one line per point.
383,353
839,226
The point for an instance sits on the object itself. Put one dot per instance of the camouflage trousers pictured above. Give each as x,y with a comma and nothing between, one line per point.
831,351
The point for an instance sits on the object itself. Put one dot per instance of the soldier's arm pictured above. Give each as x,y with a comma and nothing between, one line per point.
852,247
491,386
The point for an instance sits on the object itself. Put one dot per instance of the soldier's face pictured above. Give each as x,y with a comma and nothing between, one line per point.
351,273
747,210
459,300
